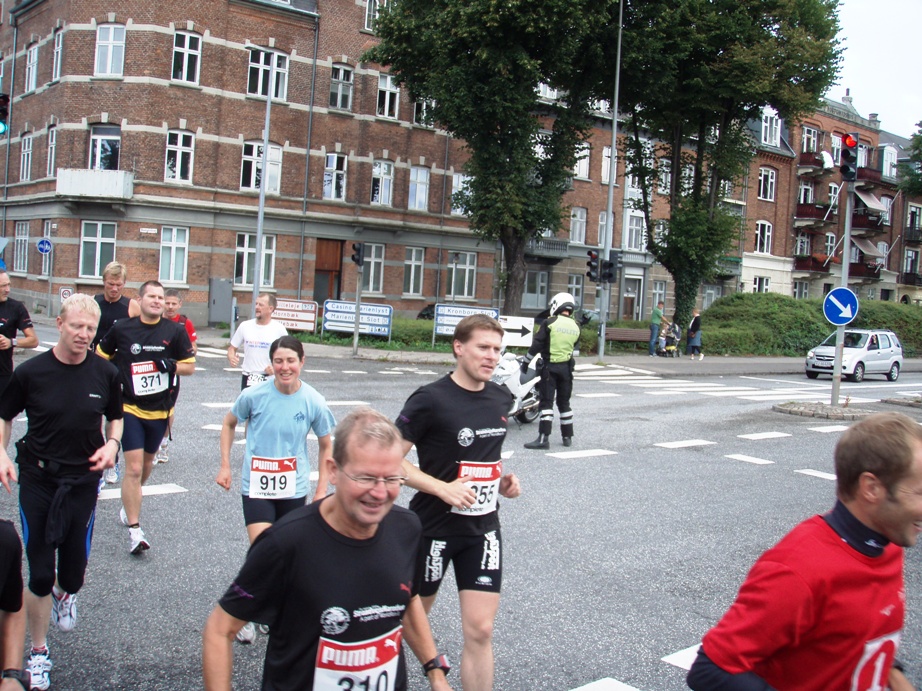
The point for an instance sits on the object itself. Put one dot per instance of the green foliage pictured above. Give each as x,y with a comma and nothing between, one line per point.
911,173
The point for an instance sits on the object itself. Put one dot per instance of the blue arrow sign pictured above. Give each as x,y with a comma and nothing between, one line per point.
840,306
44,246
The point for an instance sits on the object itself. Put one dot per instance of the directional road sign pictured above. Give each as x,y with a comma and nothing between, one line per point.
448,316
840,306
44,246
519,330
297,315
374,319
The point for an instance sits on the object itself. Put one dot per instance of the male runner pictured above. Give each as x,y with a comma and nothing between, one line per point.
112,304
172,303
148,352
823,609
458,424
65,392
12,615
255,336
14,317
335,580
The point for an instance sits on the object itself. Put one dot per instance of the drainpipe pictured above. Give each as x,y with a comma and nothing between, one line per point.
6,175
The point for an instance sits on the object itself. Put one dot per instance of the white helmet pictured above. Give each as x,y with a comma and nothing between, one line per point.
561,302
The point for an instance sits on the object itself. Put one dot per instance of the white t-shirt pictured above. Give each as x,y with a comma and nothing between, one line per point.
256,339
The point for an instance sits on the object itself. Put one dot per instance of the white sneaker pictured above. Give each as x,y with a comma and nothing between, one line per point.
263,629
163,454
113,474
63,609
122,516
701,357
138,542
39,665
247,634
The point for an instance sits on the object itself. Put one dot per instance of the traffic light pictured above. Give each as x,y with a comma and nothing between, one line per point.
358,255
4,113
593,265
607,272
849,157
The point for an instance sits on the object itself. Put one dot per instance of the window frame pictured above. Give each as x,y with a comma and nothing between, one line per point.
57,55
388,103
110,47
372,10
803,244
635,235
418,199
25,157
801,290
21,247
581,167
31,72
414,265
51,164
810,139
341,87
254,159
261,70
771,127
245,256
335,174
373,270
169,248
578,218
761,284
184,54
768,181
180,150
763,237
575,286
103,133
467,272
459,182
382,183
103,247
836,148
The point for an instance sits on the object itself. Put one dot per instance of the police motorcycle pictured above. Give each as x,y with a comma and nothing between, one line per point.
522,385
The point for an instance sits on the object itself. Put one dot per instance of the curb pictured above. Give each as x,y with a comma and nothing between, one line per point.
821,410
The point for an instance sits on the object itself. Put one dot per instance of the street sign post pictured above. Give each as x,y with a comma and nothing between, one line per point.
372,319
840,306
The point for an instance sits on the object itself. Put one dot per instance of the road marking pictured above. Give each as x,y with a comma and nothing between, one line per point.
590,366
819,397
662,384
829,428
684,658
764,435
730,391
207,355
581,454
218,405
43,349
606,684
817,473
146,490
315,371
597,395
216,351
352,403
685,443
217,428
748,459
354,371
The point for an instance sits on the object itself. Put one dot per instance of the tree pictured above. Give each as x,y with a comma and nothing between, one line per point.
480,62
695,72
911,172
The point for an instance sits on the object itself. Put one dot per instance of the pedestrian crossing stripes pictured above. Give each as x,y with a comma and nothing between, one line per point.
748,459
817,473
146,490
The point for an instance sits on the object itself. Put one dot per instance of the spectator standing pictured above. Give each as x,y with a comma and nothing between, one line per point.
255,336
693,344
656,323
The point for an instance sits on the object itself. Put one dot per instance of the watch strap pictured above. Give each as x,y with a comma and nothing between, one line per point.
438,662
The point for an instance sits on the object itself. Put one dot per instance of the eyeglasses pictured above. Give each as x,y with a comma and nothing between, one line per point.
369,481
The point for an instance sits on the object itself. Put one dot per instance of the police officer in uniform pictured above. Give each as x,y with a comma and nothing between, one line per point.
555,340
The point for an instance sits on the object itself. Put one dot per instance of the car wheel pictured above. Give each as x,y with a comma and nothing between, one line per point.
858,374
812,375
894,372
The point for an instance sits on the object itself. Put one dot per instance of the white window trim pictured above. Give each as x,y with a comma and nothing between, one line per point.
763,237
772,181
334,173
581,167
187,53
57,57
373,270
96,137
418,199
113,67
467,272
180,150
247,253
414,264
51,165
388,103
170,248
341,87
255,159
21,247
97,241
31,74
578,218
372,9
382,183
262,68
25,158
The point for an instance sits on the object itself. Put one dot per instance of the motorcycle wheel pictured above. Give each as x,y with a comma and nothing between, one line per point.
528,416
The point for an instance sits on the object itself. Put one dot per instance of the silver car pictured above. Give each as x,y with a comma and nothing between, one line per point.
867,351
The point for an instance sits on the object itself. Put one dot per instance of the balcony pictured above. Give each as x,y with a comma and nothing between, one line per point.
868,177
911,279
547,248
866,224
814,216
95,184
813,263
913,235
811,164
866,270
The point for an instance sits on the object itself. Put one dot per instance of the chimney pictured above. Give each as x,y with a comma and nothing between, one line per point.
873,121
847,98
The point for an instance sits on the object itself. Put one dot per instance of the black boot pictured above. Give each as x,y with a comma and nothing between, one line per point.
568,441
540,443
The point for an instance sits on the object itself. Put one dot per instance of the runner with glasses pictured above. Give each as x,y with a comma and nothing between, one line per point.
280,413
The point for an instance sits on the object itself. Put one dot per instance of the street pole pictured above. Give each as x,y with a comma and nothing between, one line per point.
358,307
264,173
840,330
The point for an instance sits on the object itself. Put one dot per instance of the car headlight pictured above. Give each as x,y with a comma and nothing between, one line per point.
810,354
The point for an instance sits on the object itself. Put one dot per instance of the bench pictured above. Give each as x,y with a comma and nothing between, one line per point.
613,334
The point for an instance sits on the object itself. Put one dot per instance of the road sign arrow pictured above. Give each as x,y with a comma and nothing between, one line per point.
522,331
845,309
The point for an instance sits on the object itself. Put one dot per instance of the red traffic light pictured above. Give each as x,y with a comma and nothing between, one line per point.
850,141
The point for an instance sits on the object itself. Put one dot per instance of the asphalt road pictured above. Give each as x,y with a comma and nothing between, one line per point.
620,552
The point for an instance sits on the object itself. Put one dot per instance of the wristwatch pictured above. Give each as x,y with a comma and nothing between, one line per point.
20,675
438,662
12,343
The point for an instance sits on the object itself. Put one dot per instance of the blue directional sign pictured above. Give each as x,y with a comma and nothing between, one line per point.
840,306
44,246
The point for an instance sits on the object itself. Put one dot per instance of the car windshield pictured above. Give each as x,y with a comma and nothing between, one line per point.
852,340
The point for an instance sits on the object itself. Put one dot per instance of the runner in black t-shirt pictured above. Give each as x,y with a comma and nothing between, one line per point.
336,580
12,615
458,425
14,317
65,392
112,304
148,352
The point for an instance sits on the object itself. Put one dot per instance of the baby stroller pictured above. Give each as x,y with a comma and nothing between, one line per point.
669,338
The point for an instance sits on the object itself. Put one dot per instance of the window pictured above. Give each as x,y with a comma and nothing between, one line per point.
664,183
911,262
57,55
606,163
811,136
382,183
688,179
575,287
547,92
110,50
884,249
51,168
187,54
341,87
534,296
767,177
761,284
388,96
834,197
888,204
413,264
174,253
603,229
31,68
806,192
854,256
914,217
459,183
863,153
659,292
726,189
422,112
659,230
888,165
581,169
373,274
179,152
245,260
837,148
97,247
21,247
25,158
830,244
578,225
771,127
105,143
261,68
462,275
710,294
46,258
419,189
636,238
334,177
802,244
764,237
251,168
372,9
801,290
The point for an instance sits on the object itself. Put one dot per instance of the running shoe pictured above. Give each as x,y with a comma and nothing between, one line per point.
263,629
122,516
39,665
63,609
113,474
139,543
163,455
247,634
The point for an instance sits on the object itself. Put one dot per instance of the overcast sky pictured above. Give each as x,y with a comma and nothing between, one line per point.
881,64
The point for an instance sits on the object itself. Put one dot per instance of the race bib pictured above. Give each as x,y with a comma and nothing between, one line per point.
255,378
485,484
367,665
872,671
273,478
146,380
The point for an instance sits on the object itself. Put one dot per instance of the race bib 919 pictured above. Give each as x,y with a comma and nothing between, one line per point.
273,478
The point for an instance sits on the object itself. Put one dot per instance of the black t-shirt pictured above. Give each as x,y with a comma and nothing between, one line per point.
14,317
65,405
450,425
135,347
328,598
110,312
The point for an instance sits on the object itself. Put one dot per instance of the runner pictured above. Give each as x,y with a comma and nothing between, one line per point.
112,304
275,479
14,317
458,424
172,303
65,393
12,615
255,336
148,351
336,580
